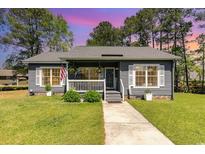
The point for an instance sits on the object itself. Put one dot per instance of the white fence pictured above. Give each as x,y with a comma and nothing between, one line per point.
85,85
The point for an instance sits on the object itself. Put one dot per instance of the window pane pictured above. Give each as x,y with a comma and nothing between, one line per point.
152,76
45,76
152,70
55,76
94,73
140,76
82,73
88,73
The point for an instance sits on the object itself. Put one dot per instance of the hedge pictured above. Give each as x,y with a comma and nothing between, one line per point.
9,88
92,96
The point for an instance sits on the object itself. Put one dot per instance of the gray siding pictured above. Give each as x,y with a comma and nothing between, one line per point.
123,73
32,79
162,91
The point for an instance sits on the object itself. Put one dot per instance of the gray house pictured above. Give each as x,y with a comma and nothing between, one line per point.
115,71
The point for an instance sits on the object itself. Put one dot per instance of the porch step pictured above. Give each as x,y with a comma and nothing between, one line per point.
113,96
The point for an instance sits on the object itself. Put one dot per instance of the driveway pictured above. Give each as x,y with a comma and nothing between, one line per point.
125,125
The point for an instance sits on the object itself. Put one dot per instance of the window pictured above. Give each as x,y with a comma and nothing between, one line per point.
55,76
94,75
46,76
140,76
49,76
88,73
147,76
152,76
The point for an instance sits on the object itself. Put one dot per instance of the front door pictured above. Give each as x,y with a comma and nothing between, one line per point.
110,77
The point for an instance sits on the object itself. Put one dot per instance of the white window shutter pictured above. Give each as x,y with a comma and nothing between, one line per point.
131,76
38,74
162,75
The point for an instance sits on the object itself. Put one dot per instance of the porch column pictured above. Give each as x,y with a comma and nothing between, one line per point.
67,85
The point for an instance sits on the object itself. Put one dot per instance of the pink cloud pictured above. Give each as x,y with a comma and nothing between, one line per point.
86,21
80,21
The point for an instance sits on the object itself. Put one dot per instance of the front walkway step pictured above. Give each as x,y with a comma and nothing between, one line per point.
113,96
125,125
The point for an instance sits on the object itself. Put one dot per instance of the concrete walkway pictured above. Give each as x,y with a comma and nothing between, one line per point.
125,125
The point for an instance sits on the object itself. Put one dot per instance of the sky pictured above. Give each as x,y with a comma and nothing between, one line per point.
82,21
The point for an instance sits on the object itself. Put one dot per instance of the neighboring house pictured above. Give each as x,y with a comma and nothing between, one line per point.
114,71
10,77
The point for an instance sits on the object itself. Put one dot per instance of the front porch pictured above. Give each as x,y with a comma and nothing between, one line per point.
103,77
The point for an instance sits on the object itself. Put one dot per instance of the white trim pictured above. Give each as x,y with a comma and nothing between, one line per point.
73,80
146,75
104,89
87,90
67,86
131,75
113,68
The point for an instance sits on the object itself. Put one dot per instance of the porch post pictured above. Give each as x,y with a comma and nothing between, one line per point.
67,85
104,90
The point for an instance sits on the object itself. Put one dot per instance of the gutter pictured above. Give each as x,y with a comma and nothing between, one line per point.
44,62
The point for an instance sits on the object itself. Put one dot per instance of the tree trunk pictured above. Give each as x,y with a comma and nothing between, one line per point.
176,79
130,39
160,39
185,63
168,42
153,45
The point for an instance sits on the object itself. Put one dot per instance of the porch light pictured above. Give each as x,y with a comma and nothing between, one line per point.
99,70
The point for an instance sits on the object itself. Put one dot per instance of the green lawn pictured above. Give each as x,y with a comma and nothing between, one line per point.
48,120
181,120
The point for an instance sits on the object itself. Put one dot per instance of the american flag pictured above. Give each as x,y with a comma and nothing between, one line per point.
63,73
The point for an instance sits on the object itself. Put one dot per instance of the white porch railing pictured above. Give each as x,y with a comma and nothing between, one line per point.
122,90
85,85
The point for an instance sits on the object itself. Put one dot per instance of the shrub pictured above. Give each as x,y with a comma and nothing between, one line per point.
92,96
71,96
147,91
48,87
9,88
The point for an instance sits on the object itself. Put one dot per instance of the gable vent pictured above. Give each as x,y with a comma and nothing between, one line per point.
111,55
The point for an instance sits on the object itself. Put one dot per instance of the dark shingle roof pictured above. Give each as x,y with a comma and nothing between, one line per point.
118,53
47,57
103,53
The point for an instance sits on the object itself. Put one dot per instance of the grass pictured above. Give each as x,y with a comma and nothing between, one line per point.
48,120
181,120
